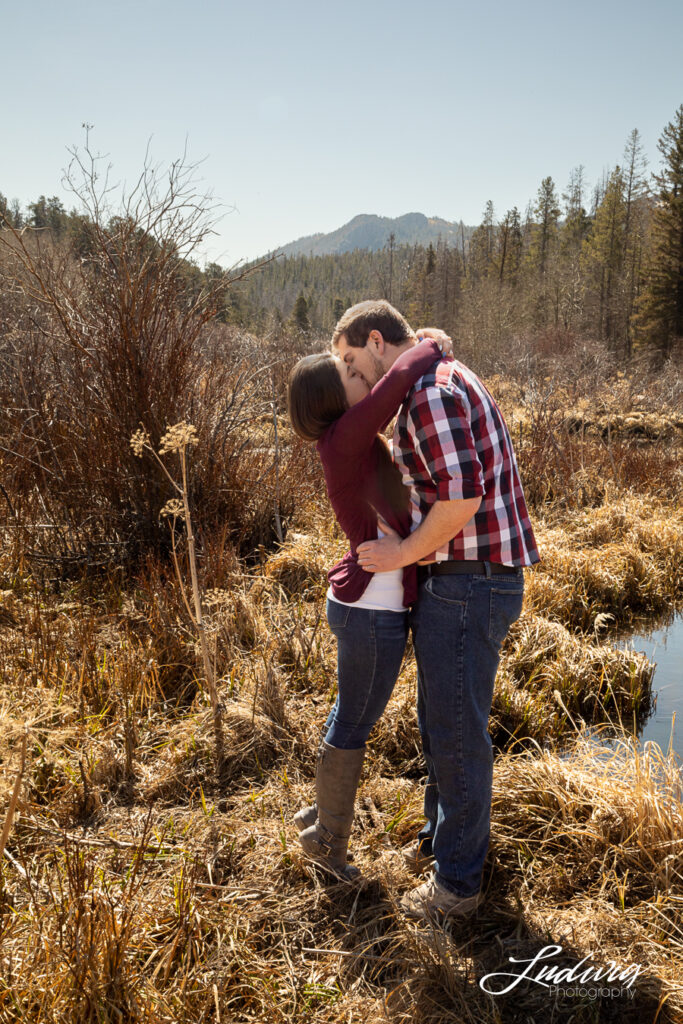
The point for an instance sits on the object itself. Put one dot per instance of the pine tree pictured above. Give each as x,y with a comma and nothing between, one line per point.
547,213
636,190
573,233
576,220
49,213
480,262
509,246
635,181
658,320
300,318
430,264
599,190
541,258
427,285
391,246
603,260
516,244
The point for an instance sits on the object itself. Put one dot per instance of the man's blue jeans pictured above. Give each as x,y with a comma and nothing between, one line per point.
459,623
370,646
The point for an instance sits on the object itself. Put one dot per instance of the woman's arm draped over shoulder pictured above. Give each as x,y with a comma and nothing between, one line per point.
358,426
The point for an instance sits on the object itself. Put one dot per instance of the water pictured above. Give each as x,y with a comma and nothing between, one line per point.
664,645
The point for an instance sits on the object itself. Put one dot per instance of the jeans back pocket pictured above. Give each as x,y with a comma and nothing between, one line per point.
337,614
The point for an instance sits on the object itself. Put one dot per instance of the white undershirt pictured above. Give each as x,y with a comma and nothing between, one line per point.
383,593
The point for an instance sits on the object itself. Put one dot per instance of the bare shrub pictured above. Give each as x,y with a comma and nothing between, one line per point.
116,328
581,425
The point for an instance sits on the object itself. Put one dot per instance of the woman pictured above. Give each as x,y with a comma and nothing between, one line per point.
333,406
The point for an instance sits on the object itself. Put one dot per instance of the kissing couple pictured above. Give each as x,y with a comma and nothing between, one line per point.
439,534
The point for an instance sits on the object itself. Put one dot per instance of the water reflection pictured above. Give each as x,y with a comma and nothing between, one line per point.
663,644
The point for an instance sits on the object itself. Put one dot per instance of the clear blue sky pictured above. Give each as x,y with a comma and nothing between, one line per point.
310,113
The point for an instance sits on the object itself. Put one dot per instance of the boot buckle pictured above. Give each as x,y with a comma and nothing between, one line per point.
325,838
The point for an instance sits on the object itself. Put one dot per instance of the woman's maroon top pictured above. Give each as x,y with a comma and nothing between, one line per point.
360,476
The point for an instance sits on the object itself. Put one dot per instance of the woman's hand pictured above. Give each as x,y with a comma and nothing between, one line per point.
440,337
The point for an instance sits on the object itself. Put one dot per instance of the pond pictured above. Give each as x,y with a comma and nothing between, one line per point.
663,644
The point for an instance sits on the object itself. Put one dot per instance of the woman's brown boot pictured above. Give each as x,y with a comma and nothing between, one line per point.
306,817
337,776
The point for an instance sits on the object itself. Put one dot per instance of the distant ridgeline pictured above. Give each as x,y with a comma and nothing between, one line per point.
318,277
370,232
603,264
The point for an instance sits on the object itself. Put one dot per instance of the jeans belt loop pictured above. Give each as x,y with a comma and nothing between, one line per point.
487,570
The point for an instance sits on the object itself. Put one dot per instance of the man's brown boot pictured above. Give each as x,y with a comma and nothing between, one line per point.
337,776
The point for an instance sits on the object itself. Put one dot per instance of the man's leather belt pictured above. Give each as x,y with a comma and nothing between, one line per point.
446,568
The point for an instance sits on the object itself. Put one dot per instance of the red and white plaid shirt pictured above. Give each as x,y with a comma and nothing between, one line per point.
451,441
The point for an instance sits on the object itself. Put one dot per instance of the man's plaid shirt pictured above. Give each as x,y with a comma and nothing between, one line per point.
451,441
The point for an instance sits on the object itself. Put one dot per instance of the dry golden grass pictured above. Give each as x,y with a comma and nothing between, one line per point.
620,560
549,675
640,423
618,411
139,915
599,837
137,888
301,565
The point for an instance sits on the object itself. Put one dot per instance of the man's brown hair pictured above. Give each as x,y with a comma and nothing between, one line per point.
315,395
373,315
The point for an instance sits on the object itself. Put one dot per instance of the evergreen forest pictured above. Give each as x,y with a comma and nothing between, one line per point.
603,263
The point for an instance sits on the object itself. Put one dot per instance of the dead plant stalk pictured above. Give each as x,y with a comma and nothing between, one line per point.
178,439
14,798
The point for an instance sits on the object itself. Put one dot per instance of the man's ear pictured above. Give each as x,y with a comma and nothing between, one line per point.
376,343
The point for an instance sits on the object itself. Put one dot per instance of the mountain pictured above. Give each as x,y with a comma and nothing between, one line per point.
367,231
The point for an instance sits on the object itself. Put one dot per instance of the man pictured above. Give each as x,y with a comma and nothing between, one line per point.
471,536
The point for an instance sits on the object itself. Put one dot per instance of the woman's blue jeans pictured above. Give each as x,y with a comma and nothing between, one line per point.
459,623
370,647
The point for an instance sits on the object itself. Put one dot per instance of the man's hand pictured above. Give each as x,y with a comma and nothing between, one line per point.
445,520
384,554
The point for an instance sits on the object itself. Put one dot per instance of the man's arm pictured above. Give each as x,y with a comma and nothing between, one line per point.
444,520
438,425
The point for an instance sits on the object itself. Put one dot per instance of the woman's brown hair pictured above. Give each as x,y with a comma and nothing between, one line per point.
315,395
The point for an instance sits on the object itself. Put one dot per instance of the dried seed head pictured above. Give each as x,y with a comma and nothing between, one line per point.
178,437
139,441
213,596
174,507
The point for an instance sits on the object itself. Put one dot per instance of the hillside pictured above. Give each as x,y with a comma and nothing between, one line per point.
367,231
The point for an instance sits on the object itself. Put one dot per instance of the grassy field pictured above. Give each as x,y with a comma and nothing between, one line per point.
138,884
